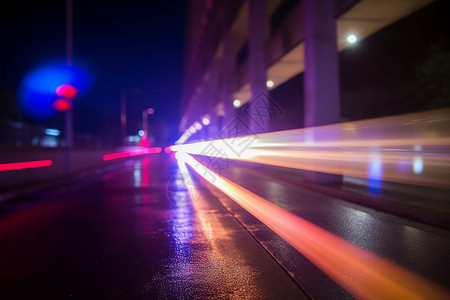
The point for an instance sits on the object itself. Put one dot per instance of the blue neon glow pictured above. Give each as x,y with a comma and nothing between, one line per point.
375,175
37,91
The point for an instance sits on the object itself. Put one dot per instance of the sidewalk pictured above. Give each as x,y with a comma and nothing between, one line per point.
427,205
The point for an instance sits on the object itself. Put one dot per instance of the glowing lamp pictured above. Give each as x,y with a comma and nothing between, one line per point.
205,121
62,104
352,39
145,143
39,90
67,91
236,103
198,126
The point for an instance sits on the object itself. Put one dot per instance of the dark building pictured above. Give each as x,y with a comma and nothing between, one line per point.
302,57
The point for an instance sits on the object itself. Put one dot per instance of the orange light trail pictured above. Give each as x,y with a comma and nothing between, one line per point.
362,273
412,148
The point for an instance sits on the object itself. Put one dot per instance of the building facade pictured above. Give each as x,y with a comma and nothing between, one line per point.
272,64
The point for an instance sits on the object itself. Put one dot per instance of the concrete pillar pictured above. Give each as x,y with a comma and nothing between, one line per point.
213,85
203,106
228,65
228,62
321,79
258,32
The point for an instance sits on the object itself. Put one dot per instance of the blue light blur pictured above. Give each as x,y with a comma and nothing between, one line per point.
52,132
37,91
375,175
418,164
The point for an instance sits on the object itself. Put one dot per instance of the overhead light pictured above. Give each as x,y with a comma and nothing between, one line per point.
205,121
352,38
198,126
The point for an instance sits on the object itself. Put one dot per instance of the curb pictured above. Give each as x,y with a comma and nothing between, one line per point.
9,196
384,206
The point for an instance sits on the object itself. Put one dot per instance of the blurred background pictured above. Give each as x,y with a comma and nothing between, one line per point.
130,51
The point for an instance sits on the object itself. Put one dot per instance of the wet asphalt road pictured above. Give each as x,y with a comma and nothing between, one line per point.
132,233
122,235
421,248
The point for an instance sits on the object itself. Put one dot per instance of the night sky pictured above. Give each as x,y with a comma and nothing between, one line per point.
132,45
138,46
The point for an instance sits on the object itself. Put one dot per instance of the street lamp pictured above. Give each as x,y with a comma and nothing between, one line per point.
352,38
205,121
68,120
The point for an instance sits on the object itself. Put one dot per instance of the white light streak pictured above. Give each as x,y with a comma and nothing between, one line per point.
348,148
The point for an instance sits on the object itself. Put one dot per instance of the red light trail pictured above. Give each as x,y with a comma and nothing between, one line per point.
117,155
25,165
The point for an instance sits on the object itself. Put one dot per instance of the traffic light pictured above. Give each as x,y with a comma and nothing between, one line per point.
52,88
62,104
67,93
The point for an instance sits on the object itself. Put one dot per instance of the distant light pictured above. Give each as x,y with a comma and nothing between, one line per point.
269,83
48,141
150,111
52,132
236,103
352,39
192,129
198,126
25,165
62,104
67,91
141,132
167,149
205,121
375,169
145,143
417,165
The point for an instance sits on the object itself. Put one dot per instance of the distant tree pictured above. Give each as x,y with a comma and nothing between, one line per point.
433,83
9,110
8,113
